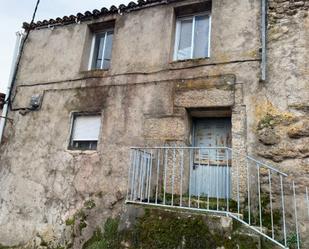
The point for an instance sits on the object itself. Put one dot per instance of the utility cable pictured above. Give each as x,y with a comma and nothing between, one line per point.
23,42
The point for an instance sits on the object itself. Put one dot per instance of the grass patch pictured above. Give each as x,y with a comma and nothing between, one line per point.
109,239
90,204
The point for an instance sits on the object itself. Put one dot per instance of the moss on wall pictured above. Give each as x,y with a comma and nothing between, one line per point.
268,116
6,247
110,239
158,229
165,230
271,120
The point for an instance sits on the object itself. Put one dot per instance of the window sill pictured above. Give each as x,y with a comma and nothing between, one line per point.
95,72
189,62
81,152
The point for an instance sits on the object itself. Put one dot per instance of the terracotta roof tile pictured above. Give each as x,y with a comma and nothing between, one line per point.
95,13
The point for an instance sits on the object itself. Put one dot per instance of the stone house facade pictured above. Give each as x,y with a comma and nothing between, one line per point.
133,76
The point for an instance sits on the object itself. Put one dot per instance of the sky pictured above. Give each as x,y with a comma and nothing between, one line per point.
14,12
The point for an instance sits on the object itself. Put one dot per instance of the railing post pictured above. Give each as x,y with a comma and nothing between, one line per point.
227,180
158,174
238,194
217,159
271,204
147,167
259,191
296,219
199,185
190,176
203,174
150,173
142,176
208,182
248,188
165,169
283,210
307,198
173,175
181,176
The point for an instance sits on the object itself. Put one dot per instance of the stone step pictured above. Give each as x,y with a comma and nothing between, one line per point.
142,226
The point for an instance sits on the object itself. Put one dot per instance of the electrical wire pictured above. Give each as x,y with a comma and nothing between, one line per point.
23,42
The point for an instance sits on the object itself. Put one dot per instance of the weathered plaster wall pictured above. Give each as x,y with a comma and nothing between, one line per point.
143,100
53,182
143,43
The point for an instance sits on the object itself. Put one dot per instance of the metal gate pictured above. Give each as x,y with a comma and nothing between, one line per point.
211,168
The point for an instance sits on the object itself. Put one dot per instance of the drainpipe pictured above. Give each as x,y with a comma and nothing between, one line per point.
18,43
264,7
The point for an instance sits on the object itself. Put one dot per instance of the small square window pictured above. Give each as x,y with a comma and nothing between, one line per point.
85,132
192,38
102,49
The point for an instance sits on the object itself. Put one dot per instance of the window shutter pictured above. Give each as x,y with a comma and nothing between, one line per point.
86,128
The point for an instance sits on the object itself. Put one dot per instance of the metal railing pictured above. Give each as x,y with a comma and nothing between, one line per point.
219,180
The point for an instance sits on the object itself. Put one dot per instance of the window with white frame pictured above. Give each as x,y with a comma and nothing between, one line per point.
85,131
192,39
102,50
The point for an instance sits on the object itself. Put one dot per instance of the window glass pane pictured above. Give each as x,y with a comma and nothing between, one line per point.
86,128
98,50
201,36
185,38
85,145
108,50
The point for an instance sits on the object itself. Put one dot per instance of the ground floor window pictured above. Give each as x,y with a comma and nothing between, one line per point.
85,131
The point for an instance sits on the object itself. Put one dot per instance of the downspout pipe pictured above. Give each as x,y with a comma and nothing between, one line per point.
264,7
16,55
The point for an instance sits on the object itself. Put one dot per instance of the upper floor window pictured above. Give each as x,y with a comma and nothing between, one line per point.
85,131
192,39
102,49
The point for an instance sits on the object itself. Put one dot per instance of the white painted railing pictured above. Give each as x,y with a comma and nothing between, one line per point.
219,180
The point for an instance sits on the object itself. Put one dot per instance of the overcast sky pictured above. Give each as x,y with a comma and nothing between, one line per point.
14,12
